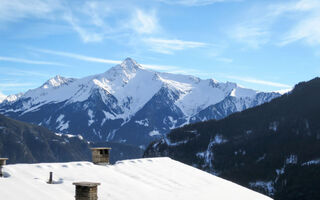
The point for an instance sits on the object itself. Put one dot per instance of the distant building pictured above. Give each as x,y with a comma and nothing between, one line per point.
101,155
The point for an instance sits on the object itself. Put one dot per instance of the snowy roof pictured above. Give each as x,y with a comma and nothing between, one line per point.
154,178
100,148
86,184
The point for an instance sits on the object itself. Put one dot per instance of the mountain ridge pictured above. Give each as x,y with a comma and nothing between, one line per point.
101,106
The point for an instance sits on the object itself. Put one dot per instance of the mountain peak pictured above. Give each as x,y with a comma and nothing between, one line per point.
55,82
127,68
129,63
128,59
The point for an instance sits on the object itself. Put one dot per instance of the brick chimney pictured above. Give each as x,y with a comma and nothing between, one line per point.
86,190
100,155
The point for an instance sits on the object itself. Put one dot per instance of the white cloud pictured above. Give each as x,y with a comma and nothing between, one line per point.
102,60
50,10
169,46
90,20
78,56
307,30
293,6
97,11
26,61
260,82
251,35
13,10
144,23
96,21
10,87
7,85
23,73
307,16
92,25
85,34
93,21
194,2
302,19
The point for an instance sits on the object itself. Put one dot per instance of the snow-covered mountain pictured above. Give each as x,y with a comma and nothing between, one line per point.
2,97
156,178
128,103
273,148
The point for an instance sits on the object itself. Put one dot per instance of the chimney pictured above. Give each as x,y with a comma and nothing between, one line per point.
86,190
2,163
100,155
50,181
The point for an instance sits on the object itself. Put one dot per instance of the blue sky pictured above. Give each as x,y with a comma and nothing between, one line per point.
265,45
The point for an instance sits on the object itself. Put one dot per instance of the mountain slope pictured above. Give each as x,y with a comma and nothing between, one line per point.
22,142
157,179
26,143
128,103
273,148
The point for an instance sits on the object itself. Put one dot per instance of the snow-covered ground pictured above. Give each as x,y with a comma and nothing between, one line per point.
154,178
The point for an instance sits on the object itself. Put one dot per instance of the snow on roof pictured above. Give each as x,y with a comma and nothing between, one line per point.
100,148
149,178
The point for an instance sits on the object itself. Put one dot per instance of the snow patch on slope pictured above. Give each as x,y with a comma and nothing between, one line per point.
91,116
170,122
144,122
61,124
218,139
240,92
207,155
69,135
154,133
311,162
292,159
265,185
